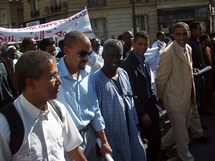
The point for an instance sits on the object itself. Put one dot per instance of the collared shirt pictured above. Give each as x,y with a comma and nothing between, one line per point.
46,135
184,51
141,60
117,106
80,98
159,44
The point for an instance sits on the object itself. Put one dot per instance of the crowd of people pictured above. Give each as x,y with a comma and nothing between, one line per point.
58,101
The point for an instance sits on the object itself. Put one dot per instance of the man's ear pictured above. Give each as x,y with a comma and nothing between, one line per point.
30,83
65,49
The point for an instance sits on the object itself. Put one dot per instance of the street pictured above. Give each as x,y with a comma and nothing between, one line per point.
201,151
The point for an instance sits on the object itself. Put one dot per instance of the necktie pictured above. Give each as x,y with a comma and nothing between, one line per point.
186,55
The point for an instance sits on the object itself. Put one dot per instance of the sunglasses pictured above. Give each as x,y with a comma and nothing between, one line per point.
84,53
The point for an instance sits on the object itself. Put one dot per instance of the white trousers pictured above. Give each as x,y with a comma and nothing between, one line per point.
196,131
180,122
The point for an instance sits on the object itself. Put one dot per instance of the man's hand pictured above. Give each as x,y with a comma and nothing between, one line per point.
146,120
195,72
105,148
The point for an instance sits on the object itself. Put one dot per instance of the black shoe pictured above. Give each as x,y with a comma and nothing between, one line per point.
205,127
202,139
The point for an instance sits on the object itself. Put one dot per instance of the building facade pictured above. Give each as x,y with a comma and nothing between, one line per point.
11,13
109,18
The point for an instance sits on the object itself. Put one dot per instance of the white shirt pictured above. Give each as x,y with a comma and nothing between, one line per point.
46,135
159,44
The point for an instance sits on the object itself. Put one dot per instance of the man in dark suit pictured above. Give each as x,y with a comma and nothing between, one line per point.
198,61
196,129
140,78
127,37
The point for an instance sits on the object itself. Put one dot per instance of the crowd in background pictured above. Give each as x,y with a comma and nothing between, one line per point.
112,92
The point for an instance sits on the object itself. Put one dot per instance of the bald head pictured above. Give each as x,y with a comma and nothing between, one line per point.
127,34
74,36
112,54
112,46
77,47
28,44
127,38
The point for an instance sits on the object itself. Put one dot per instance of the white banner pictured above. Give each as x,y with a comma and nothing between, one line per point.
78,22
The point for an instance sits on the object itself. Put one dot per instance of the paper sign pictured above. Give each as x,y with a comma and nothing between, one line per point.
78,22
203,70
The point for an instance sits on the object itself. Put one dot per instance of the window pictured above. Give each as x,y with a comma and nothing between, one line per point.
142,23
3,18
139,1
96,3
34,5
34,8
99,27
55,5
201,12
164,0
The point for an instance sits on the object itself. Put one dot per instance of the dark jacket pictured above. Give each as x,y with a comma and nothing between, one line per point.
138,82
8,85
197,55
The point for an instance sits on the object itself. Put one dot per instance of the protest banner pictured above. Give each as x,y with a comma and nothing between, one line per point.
78,22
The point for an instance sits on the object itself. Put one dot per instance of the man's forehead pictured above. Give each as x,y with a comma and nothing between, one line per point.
84,43
181,29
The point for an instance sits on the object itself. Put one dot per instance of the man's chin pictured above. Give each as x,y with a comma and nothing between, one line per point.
55,94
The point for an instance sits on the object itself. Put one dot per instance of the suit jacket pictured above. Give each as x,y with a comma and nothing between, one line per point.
138,83
197,55
174,79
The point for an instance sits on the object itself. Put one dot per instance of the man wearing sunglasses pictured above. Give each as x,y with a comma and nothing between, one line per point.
77,93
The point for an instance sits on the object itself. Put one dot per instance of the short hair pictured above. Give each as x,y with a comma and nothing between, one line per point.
72,37
46,42
181,25
159,33
26,42
143,35
193,25
203,37
119,37
28,66
127,34
112,45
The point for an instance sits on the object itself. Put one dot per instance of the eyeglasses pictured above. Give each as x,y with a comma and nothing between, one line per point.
84,53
